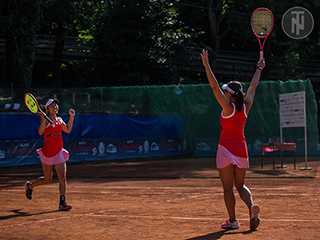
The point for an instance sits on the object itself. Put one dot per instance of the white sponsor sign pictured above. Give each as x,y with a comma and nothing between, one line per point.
292,109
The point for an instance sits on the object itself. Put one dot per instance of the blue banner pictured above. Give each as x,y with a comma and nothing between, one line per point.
18,153
95,137
206,147
125,148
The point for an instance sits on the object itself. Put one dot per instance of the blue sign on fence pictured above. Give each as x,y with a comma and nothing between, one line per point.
96,137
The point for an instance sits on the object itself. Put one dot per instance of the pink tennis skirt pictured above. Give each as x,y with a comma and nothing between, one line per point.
225,158
61,157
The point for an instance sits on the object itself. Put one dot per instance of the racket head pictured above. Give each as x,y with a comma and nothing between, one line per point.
31,103
262,22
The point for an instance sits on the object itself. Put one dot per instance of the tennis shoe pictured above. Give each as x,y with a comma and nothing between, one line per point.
230,225
64,206
254,216
28,190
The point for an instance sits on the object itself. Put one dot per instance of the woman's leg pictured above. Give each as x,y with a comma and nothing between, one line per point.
244,192
61,170
227,177
246,196
47,172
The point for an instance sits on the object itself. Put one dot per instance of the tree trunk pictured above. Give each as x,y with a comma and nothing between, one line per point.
10,51
57,56
214,33
11,76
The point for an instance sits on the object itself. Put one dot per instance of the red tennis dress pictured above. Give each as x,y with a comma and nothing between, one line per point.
52,152
232,147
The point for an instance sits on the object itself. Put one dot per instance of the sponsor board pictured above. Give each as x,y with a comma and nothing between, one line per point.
18,153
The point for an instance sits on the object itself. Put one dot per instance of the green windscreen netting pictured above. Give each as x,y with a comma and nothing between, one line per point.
195,101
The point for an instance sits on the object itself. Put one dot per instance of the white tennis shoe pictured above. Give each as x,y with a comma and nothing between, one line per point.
254,216
230,225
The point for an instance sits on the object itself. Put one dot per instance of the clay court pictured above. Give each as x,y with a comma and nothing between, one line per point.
160,199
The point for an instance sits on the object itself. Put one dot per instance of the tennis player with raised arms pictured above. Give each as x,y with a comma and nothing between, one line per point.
232,156
52,153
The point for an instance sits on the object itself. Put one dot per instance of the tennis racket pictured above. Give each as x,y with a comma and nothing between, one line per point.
262,22
32,104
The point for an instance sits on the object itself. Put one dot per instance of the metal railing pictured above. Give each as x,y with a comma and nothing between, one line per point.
74,48
228,63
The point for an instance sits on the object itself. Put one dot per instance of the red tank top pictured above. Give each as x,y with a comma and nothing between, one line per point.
53,142
232,132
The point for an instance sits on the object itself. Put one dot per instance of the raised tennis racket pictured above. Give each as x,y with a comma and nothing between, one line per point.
32,104
262,22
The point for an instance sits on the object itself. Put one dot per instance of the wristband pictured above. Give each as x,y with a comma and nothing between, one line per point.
260,68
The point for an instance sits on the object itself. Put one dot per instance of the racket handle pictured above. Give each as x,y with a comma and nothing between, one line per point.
261,54
48,119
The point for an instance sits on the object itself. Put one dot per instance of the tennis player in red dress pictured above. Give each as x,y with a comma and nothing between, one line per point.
52,153
232,155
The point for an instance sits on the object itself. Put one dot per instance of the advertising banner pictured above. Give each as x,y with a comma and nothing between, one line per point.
19,153
95,137
125,148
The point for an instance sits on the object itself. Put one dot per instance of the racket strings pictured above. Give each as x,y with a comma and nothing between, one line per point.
31,104
262,22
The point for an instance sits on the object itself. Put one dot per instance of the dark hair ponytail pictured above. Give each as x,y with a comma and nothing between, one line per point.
239,100
238,94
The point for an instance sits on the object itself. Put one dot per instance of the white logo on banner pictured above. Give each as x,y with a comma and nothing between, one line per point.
146,146
94,151
203,147
2,154
24,145
111,148
154,147
257,145
101,148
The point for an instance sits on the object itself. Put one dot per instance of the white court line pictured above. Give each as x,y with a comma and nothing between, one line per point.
152,217
173,188
243,219
164,188
177,193
28,223
201,219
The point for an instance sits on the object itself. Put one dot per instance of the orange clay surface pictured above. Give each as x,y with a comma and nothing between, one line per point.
159,199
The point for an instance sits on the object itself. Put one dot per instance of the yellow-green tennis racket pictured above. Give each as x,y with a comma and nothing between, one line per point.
32,104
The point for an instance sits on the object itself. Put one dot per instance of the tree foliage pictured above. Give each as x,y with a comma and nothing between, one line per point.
136,42
145,42
20,22
64,18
